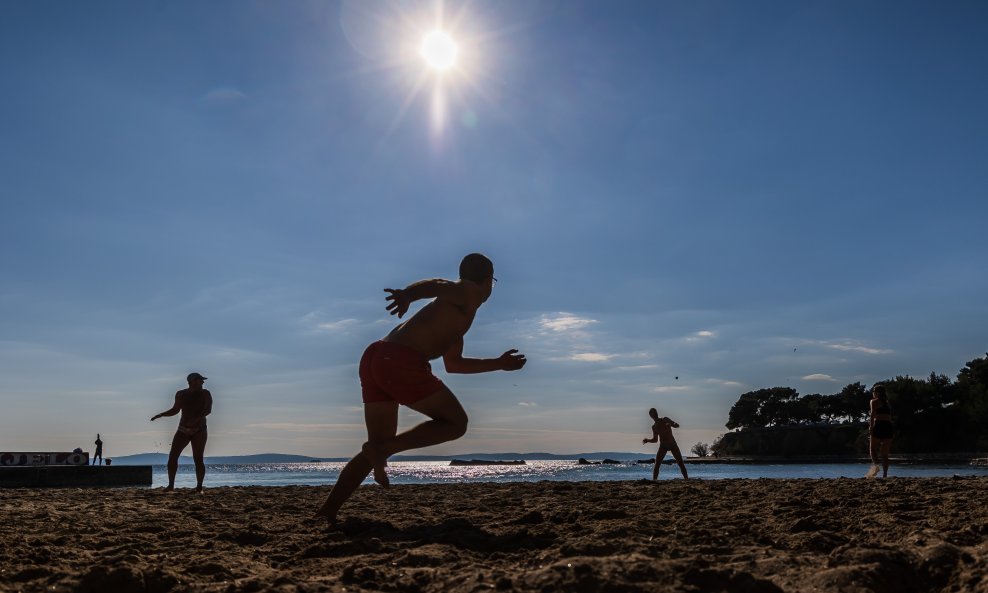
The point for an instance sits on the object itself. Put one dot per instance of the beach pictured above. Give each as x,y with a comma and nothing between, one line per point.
762,535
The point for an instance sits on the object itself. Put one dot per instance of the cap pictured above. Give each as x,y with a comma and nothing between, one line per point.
194,376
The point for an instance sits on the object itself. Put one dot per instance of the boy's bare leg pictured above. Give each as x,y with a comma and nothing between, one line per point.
198,449
679,459
179,442
381,419
659,456
448,421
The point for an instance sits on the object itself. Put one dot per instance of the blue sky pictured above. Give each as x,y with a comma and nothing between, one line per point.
683,201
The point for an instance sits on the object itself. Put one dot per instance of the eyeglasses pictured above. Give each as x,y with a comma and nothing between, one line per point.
493,280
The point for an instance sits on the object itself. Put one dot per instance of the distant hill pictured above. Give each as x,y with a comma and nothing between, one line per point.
162,458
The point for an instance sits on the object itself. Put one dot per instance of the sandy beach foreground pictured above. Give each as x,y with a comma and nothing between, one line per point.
905,534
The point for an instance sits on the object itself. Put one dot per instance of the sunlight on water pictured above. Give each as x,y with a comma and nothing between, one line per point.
439,472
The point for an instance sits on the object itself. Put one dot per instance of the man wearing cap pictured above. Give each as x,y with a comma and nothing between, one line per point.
195,403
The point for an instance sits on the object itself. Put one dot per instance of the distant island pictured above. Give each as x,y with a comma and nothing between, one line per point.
162,458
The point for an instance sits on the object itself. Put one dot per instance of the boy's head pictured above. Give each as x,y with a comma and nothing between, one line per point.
476,268
653,413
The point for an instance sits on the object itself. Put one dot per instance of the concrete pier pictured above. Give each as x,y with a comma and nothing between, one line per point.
74,476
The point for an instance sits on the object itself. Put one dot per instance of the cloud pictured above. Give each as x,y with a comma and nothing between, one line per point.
818,377
336,326
725,383
222,96
670,389
316,322
700,335
304,427
591,357
563,322
528,404
848,346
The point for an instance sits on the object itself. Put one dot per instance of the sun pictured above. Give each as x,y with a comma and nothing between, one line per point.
439,50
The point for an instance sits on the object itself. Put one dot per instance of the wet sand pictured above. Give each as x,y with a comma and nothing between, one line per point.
899,534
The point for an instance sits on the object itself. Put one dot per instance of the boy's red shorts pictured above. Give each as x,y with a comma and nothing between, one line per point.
394,372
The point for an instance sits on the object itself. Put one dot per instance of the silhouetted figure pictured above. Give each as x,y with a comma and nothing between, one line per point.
662,432
396,370
195,403
880,431
99,450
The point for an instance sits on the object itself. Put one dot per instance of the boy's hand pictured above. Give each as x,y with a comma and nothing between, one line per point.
511,360
399,301
644,441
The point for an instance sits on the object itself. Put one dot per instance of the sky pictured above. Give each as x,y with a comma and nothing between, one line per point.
684,201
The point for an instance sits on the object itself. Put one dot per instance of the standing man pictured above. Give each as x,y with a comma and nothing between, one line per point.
99,450
395,370
662,432
195,403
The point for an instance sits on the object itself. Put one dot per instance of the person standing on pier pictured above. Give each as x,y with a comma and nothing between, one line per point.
99,450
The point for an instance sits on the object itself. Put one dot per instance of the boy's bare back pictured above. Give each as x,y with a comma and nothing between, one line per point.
442,323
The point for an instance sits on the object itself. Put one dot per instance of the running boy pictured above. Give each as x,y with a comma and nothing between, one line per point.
395,370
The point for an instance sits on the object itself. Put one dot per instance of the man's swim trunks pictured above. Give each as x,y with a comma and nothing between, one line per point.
394,372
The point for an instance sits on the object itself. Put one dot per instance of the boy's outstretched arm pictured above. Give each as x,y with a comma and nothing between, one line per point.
461,293
455,362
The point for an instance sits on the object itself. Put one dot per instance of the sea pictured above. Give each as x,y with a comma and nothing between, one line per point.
441,472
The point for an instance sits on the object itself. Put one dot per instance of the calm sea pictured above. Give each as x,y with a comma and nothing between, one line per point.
437,472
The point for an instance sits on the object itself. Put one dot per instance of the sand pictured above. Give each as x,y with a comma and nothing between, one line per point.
847,535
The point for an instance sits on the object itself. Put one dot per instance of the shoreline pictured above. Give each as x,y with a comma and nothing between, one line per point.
830,535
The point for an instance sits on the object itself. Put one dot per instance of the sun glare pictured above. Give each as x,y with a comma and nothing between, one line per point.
439,50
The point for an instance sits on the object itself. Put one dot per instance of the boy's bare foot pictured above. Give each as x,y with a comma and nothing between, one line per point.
378,461
323,515
872,472
169,488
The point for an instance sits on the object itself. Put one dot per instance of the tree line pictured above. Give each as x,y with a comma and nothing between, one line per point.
933,414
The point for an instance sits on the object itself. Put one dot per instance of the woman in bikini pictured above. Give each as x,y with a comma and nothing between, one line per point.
195,403
880,430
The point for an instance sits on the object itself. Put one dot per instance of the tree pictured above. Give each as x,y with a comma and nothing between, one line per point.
700,450
854,400
744,412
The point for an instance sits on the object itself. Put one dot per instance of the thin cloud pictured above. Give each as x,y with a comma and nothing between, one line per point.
304,427
670,389
528,404
640,367
852,347
222,96
818,377
591,357
563,322
700,335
